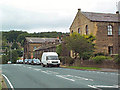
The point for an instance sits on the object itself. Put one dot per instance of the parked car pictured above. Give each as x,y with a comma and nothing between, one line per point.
9,62
20,62
36,62
29,61
50,59
25,61
17,61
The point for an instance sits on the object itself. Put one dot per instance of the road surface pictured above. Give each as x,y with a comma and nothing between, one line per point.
36,76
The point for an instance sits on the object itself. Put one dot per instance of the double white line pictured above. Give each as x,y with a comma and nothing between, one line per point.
8,81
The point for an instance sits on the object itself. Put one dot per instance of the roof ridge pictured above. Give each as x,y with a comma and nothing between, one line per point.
99,13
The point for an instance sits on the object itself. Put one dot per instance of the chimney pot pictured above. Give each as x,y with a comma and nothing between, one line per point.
117,12
79,9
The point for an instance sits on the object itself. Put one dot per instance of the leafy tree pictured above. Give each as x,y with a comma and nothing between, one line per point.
19,52
79,44
14,56
22,36
15,46
5,59
59,49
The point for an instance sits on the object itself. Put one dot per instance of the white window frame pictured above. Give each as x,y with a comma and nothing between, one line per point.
110,30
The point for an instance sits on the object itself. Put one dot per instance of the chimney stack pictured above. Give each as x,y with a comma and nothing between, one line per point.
117,12
79,9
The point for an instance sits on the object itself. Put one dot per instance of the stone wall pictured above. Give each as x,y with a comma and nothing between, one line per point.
90,63
103,40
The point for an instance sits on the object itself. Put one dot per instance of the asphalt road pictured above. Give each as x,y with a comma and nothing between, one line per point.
36,76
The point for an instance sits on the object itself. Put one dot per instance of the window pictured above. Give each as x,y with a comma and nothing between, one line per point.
110,50
78,30
52,58
119,31
110,30
72,31
86,29
34,47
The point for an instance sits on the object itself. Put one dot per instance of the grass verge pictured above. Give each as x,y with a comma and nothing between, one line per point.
0,86
83,68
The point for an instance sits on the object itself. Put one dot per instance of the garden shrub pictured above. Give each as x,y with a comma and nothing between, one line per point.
69,60
99,54
87,55
117,59
62,59
99,59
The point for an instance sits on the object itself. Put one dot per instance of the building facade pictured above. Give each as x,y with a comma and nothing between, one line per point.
51,47
105,27
32,43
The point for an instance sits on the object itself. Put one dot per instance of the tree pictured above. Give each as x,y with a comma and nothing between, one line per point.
22,36
5,59
19,52
79,44
15,46
59,49
14,56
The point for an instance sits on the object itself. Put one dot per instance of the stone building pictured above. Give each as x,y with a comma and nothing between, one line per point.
104,26
32,43
51,47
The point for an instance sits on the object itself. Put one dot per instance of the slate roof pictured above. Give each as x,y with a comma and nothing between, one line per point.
40,40
103,17
45,47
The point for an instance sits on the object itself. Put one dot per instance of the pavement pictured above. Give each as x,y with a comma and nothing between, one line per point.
108,70
102,69
36,76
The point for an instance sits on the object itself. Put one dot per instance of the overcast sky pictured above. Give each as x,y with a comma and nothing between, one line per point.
47,15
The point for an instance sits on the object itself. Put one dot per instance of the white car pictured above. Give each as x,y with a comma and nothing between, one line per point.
9,62
36,62
25,61
20,61
50,59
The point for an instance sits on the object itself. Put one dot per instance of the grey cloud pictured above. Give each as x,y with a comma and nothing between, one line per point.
14,18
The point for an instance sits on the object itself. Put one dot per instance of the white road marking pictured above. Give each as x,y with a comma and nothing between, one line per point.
8,81
45,72
65,78
29,67
115,86
83,78
52,72
37,69
94,87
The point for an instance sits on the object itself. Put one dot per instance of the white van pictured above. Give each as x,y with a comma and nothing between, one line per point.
50,59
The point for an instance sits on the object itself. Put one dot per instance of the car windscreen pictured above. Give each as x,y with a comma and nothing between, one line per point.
36,60
52,58
30,59
20,60
26,59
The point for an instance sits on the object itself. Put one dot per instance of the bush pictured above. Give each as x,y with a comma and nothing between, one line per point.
99,54
62,59
5,59
109,58
87,55
69,60
117,59
99,59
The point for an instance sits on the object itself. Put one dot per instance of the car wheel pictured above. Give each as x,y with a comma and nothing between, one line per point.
58,65
43,65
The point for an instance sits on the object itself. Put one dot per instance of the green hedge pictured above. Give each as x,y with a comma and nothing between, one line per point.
100,59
